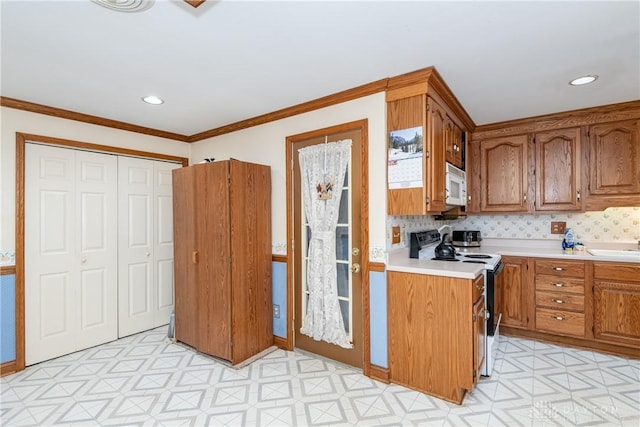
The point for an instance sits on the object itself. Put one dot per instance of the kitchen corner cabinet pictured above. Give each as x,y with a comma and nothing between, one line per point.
616,299
423,100
420,111
222,256
515,294
614,165
436,333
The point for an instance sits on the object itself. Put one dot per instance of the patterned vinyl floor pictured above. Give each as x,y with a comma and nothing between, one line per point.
147,380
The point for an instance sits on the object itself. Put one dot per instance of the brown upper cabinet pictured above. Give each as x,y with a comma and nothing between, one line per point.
574,161
504,170
557,176
524,173
453,143
614,172
433,121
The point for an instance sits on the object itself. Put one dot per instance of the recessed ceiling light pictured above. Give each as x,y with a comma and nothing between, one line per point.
583,80
151,99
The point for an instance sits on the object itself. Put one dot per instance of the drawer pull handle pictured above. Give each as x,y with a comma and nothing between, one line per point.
557,301
559,285
558,268
557,317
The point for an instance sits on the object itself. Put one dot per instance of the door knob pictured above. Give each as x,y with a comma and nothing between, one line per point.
355,267
355,251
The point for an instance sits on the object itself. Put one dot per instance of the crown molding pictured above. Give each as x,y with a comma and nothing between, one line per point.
87,118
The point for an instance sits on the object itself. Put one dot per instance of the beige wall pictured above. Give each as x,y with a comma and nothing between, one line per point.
265,144
13,121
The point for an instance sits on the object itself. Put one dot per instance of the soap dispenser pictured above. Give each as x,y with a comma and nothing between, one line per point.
568,241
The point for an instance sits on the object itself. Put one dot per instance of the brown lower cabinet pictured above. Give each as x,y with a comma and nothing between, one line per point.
436,331
616,299
591,304
222,258
514,293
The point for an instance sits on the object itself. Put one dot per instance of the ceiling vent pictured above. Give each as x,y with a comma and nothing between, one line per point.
125,5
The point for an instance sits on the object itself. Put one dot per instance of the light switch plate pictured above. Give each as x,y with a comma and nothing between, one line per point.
395,234
557,227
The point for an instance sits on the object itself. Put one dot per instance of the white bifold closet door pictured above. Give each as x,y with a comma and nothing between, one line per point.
71,252
145,236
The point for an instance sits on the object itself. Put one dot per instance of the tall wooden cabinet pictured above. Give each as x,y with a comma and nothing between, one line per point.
222,252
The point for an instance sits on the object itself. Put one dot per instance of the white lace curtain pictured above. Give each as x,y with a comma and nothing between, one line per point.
323,168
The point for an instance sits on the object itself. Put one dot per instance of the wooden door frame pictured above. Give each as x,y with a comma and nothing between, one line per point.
362,126
21,141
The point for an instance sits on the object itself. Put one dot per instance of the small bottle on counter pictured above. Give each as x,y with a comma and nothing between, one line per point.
568,242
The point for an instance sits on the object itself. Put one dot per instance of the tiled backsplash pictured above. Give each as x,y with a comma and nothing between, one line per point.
614,224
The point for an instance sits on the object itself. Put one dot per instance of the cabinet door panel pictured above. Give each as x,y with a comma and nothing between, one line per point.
504,174
212,221
515,297
617,312
435,174
185,257
558,170
615,158
479,330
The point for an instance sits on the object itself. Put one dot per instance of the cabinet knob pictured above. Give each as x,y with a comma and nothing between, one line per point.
557,317
83,260
557,301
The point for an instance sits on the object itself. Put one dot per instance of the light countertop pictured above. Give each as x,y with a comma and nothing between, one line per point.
398,259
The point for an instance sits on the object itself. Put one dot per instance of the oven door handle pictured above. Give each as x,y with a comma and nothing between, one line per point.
498,268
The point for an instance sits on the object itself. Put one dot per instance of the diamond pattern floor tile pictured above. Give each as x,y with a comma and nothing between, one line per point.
147,380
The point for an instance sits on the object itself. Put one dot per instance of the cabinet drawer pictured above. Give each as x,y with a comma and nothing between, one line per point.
560,301
626,272
560,322
560,268
559,284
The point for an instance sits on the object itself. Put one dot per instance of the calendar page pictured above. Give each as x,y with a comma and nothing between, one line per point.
404,169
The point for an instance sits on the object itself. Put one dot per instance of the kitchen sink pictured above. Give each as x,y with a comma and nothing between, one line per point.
633,254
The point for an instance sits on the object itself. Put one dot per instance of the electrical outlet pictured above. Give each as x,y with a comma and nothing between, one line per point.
395,234
557,227
276,311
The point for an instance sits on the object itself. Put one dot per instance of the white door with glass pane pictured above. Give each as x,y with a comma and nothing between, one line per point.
70,250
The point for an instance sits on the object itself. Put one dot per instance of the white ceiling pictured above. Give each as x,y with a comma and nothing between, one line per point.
231,60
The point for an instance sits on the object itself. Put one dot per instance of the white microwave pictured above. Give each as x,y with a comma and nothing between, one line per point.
456,186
